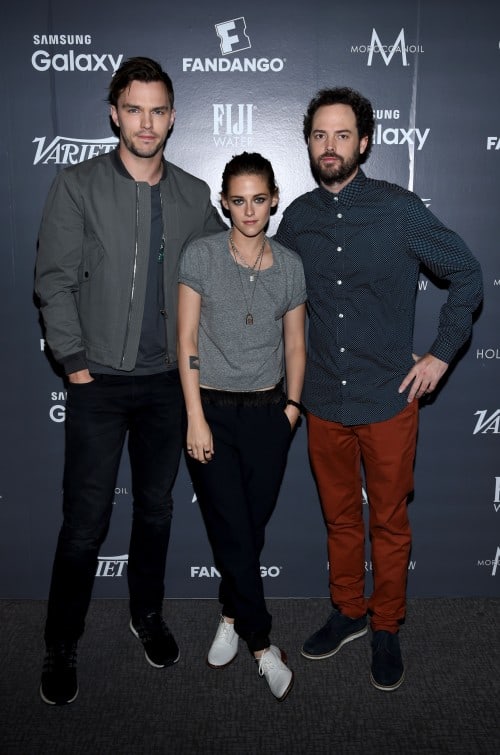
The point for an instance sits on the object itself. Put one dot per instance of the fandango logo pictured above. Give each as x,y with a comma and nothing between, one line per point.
211,572
233,38
233,35
42,60
493,142
111,566
65,151
387,52
486,424
223,65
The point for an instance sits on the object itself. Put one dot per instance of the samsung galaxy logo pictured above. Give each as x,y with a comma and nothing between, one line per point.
62,39
42,60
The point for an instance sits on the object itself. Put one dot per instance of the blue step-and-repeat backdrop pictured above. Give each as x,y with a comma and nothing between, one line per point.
243,74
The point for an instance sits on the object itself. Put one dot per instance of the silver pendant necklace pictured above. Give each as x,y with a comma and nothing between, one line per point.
254,274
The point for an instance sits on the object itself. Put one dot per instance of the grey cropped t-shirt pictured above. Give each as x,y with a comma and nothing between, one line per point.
235,356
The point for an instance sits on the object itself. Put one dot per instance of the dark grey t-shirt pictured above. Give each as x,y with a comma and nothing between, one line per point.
235,356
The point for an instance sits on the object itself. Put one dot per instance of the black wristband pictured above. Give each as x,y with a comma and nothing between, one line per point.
296,404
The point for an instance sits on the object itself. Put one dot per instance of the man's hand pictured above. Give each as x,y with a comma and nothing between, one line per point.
82,376
424,376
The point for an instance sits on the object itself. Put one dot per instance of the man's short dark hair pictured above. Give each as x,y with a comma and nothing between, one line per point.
138,69
362,108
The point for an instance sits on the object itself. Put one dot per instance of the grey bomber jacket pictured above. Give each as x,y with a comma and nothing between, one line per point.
93,252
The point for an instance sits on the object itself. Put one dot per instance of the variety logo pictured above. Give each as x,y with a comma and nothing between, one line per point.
233,125
488,353
64,150
111,566
493,142
493,562
211,572
487,424
233,38
388,51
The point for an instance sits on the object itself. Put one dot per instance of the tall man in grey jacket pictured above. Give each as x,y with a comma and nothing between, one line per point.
112,232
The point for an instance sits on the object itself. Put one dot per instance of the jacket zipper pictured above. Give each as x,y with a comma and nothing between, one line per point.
164,311
132,292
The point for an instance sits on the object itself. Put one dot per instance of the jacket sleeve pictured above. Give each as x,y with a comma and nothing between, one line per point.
59,259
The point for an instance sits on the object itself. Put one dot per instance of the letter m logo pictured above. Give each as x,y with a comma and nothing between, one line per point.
232,35
398,46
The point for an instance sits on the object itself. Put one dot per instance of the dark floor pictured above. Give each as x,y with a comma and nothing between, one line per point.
449,703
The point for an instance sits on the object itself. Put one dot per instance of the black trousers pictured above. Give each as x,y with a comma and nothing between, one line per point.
99,415
237,492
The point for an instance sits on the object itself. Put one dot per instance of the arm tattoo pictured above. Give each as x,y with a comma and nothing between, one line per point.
194,363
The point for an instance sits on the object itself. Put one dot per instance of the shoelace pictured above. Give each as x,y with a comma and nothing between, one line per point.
152,626
225,631
266,662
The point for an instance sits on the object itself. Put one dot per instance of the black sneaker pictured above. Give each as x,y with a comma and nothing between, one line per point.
387,671
160,648
328,640
59,684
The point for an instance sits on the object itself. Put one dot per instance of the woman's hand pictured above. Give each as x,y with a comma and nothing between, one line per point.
199,440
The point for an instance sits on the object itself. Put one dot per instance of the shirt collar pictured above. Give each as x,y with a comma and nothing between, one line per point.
348,195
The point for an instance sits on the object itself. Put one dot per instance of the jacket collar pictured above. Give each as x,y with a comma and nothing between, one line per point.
121,169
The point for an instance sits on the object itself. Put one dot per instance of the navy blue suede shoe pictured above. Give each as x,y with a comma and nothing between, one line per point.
328,640
387,672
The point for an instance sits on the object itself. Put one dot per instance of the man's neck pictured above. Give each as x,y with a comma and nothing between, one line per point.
145,169
337,187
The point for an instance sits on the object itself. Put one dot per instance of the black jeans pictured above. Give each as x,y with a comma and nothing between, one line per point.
237,492
99,415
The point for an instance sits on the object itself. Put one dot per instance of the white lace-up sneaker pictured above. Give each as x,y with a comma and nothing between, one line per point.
278,675
224,648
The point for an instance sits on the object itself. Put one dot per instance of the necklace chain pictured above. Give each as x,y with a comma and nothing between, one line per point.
254,276
258,259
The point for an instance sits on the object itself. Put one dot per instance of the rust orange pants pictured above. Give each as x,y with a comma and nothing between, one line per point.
386,451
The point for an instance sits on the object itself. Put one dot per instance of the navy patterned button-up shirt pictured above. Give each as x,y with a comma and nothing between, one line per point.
362,250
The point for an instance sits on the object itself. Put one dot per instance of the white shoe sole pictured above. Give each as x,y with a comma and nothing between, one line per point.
351,637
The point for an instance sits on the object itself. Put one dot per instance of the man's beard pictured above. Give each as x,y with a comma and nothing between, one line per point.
144,152
335,174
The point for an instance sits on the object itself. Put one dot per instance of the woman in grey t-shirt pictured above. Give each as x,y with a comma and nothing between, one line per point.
241,338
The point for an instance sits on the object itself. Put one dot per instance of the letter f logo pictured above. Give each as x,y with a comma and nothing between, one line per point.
232,35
